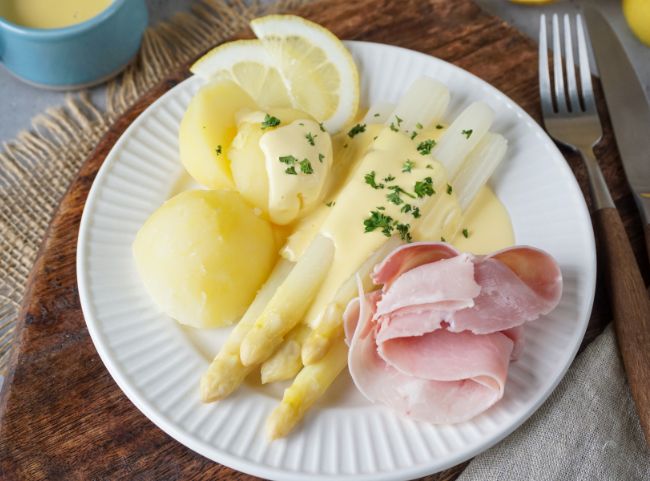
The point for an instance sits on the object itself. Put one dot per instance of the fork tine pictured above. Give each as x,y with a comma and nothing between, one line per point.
560,98
572,87
544,77
585,72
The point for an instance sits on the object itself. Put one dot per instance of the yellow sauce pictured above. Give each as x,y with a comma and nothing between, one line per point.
51,13
488,225
298,157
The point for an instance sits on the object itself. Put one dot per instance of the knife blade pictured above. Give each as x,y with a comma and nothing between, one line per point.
628,108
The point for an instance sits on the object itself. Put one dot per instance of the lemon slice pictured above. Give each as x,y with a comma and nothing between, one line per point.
319,72
247,63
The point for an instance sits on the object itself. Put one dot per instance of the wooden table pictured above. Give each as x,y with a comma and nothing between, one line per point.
63,416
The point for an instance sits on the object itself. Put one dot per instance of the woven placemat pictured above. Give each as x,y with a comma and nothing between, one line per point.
37,167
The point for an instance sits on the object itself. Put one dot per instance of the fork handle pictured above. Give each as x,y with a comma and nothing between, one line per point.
630,308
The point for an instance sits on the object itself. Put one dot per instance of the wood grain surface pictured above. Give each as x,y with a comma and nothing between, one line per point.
630,308
62,415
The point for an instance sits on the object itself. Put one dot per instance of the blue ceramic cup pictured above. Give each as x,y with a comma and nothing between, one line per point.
77,56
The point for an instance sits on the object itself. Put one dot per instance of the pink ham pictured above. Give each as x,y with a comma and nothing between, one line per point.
436,341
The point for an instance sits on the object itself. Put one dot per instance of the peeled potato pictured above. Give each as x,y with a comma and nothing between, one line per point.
203,255
207,129
247,159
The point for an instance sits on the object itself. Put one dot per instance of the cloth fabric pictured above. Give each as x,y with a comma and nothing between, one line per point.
587,430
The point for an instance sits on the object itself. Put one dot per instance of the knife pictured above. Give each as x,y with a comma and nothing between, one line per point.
628,108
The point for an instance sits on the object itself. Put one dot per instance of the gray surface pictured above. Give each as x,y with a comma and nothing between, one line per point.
21,102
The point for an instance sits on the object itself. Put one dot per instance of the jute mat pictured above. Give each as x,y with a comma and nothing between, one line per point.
37,167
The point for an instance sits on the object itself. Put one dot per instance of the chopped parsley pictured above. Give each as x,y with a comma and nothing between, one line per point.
310,138
439,127
394,196
424,187
442,239
403,230
450,189
393,128
301,124
408,165
305,167
406,208
415,212
467,133
376,115
288,159
290,170
389,178
371,181
414,135
357,129
429,166
465,233
374,138
377,220
418,125
345,146
381,207
270,121
425,146
320,158
330,203
320,124
398,120
387,225
218,150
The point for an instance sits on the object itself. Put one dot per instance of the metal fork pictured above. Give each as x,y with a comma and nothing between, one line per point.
572,119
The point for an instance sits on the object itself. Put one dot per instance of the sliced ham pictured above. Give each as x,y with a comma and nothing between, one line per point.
436,341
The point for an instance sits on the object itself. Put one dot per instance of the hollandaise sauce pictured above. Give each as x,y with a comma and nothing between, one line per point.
51,13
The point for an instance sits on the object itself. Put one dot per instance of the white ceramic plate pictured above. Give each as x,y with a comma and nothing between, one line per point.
157,363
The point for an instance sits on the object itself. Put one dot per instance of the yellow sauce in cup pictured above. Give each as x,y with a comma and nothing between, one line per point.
51,13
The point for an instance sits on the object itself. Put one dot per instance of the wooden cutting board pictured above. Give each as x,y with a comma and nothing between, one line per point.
63,416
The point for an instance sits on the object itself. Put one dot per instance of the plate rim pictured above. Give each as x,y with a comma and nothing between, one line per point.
217,455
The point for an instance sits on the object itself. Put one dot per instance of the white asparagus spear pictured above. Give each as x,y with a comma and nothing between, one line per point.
289,303
226,372
286,362
462,136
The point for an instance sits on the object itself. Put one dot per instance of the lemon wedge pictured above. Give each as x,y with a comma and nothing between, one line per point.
318,70
246,63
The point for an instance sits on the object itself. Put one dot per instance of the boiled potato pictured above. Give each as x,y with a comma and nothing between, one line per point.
246,157
203,255
207,129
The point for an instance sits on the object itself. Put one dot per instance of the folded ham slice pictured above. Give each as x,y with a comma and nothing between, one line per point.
436,341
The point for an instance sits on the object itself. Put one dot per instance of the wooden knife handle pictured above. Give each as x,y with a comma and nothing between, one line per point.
630,307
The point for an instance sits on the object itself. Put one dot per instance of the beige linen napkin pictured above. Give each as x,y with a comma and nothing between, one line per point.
587,429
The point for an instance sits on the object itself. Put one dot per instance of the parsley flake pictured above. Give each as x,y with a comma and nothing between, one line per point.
450,189
425,146
389,178
465,233
371,181
270,121
424,187
418,125
393,128
320,158
414,135
439,127
406,208
398,120
442,239
320,124
376,115
357,129
404,233
288,159
377,220
218,150
408,165
305,167
429,166
467,133
310,138
416,212
395,195
291,170
330,203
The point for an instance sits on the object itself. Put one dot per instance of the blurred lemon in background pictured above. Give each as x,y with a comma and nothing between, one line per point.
637,14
